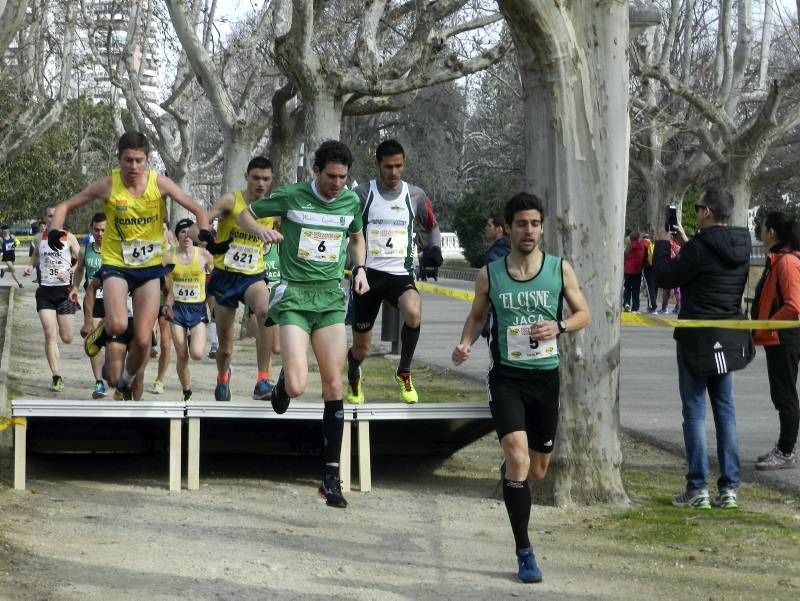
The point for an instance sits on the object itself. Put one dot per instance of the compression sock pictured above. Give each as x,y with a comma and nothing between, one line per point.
517,496
408,344
262,375
352,366
332,429
223,379
124,380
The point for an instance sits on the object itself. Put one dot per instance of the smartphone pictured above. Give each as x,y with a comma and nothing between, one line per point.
672,218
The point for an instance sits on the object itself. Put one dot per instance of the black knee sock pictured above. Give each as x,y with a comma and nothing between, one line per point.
408,344
517,496
332,429
352,366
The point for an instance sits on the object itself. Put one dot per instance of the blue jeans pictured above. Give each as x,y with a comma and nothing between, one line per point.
693,396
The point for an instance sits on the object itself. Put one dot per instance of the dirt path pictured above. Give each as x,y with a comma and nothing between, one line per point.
98,528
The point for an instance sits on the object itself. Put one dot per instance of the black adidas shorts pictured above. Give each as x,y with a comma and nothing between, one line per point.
55,298
382,286
528,403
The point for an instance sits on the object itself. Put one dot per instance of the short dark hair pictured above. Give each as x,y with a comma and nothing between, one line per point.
719,201
497,219
133,140
522,202
785,227
98,218
258,163
388,148
332,151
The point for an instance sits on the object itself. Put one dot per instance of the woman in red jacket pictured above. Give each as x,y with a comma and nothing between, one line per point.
634,258
777,296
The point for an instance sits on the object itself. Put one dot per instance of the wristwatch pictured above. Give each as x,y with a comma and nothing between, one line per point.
562,326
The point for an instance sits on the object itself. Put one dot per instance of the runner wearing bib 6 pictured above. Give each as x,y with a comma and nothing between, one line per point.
522,294
392,212
238,277
320,223
133,199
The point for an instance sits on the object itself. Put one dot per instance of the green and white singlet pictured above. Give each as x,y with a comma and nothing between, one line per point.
272,263
515,306
315,232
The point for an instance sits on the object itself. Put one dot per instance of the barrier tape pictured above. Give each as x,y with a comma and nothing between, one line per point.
636,319
7,422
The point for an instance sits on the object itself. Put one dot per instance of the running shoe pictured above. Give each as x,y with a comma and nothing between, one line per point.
726,499
95,340
123,394
766,455
99,390
776,460
58,384
355,392
331,491
212,352
407,391
223,391
278,397
693,499
20,284
187,396
262,390
528,569
157,387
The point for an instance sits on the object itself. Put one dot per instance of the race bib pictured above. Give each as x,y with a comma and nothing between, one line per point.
387,242
242,257
523,347
186,292
54,271
139,252
319,245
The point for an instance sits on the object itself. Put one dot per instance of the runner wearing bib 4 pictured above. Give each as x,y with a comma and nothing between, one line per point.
238,277
393,213
523,294
320,224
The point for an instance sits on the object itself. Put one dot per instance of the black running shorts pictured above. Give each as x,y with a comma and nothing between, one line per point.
54,298
382,286
527,404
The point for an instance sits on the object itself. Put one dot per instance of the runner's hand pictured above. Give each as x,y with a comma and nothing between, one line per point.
218,248
166,312
544,330
360,281
86,328
461,353
55,239
268,236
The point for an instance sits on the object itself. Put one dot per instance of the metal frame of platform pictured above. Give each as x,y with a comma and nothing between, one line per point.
102,409
195,411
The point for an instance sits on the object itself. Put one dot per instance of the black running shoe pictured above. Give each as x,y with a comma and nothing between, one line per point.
331,491
278,397
123,394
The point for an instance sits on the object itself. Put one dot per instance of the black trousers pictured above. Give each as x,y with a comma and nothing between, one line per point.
782,362
650,279
630,295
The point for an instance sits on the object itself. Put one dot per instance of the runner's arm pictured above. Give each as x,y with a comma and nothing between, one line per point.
88,306
80,268
475,320
220,209
171,189
34,259
266,207
98,190
357,253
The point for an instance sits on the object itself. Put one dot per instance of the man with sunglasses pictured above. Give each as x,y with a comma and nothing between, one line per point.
711,271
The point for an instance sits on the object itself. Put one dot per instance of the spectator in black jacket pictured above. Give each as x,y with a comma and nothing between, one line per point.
495,234
711,271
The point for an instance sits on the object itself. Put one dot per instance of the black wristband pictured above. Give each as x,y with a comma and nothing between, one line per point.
356,268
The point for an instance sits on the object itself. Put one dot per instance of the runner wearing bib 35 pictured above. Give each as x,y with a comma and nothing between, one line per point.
317,221
522,294
186,302
238,277
392,210
133,199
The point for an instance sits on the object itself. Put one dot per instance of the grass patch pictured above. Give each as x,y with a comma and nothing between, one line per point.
433,385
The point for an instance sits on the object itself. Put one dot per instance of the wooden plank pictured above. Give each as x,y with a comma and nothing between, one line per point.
364,463
344,457
175,454
193,455
20,434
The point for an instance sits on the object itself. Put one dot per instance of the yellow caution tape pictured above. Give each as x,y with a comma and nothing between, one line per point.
7,422
636,319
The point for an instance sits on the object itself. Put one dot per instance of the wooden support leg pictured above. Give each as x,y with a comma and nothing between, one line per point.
20,443
193,469
344,458
364,463
175,454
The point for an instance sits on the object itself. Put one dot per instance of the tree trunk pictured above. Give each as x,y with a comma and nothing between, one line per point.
323,121
236,153
740,186
575,81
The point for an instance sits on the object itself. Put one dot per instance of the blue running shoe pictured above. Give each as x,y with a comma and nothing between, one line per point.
528,570
99,390
262,390
223,391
